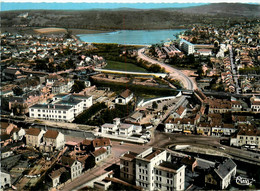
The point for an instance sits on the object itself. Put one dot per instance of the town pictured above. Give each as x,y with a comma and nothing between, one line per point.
178,115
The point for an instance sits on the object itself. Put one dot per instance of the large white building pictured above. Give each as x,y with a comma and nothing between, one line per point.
52,112
186,46
153,172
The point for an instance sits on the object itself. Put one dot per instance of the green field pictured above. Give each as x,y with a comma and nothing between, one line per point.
122,66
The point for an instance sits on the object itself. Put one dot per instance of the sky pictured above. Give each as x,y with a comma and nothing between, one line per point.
7,5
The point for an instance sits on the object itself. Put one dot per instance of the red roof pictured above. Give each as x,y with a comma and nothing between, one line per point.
33,131
99,152
126,93
101,142
51,134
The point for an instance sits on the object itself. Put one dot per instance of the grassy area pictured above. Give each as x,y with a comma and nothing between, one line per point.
123,66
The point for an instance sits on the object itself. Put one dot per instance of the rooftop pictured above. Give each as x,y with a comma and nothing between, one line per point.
170,167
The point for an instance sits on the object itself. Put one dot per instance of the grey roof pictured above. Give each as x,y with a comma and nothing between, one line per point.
224,169
55,107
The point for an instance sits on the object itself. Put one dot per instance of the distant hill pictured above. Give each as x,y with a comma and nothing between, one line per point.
235,9
131,19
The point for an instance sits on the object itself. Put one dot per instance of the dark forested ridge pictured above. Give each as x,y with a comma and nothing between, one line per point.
218,13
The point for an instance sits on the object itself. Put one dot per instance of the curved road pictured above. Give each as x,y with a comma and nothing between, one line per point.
186,81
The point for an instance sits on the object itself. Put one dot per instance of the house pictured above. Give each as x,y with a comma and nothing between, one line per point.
62,86
6,128
255,104
127,167
72,165
220,176
53,139
55,176
203,129
170,126
248,135
122,129
99,154
219,106
102,143
124,97
34,137
5,180
236,105
17,134
11,73
179,113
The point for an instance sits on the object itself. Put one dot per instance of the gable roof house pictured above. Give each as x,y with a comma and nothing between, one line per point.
53,140
124,97
74,166
34,137
220,176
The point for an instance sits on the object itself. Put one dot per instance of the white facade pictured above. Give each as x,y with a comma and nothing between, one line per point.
121,129
57,142
145,163
187,47
5,180
19,135
52,112
34,139
87,101
76,169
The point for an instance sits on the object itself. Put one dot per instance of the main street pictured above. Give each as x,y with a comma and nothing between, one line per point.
174,73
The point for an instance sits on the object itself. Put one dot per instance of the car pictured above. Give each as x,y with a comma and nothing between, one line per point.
222,148
122,142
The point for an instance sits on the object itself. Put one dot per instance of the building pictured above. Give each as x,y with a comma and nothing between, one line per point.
127,167
99,154
55,176
124,97
220,176
62,86
190,162
102,143
53,139
186,46
145,164
248,136
179,113
87,100
255,104
6,128
34,137
122,129
5,180
52,112
151,170
71,101
169,176
17,134
74,166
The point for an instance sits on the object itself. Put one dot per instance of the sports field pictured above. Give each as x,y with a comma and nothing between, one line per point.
122,66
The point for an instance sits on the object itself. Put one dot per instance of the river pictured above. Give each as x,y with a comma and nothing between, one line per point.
132,37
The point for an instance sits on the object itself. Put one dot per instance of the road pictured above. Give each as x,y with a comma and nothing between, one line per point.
117,151
174,73
163,140
233,69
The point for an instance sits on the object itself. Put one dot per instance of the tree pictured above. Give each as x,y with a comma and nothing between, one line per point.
17,91
165,107
154,105
78,86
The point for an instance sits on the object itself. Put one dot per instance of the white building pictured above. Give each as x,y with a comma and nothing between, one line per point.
124,97
5,180
220,177
34,137
75,167
153,172
54,139
186,46
122,129
52,112
62,86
